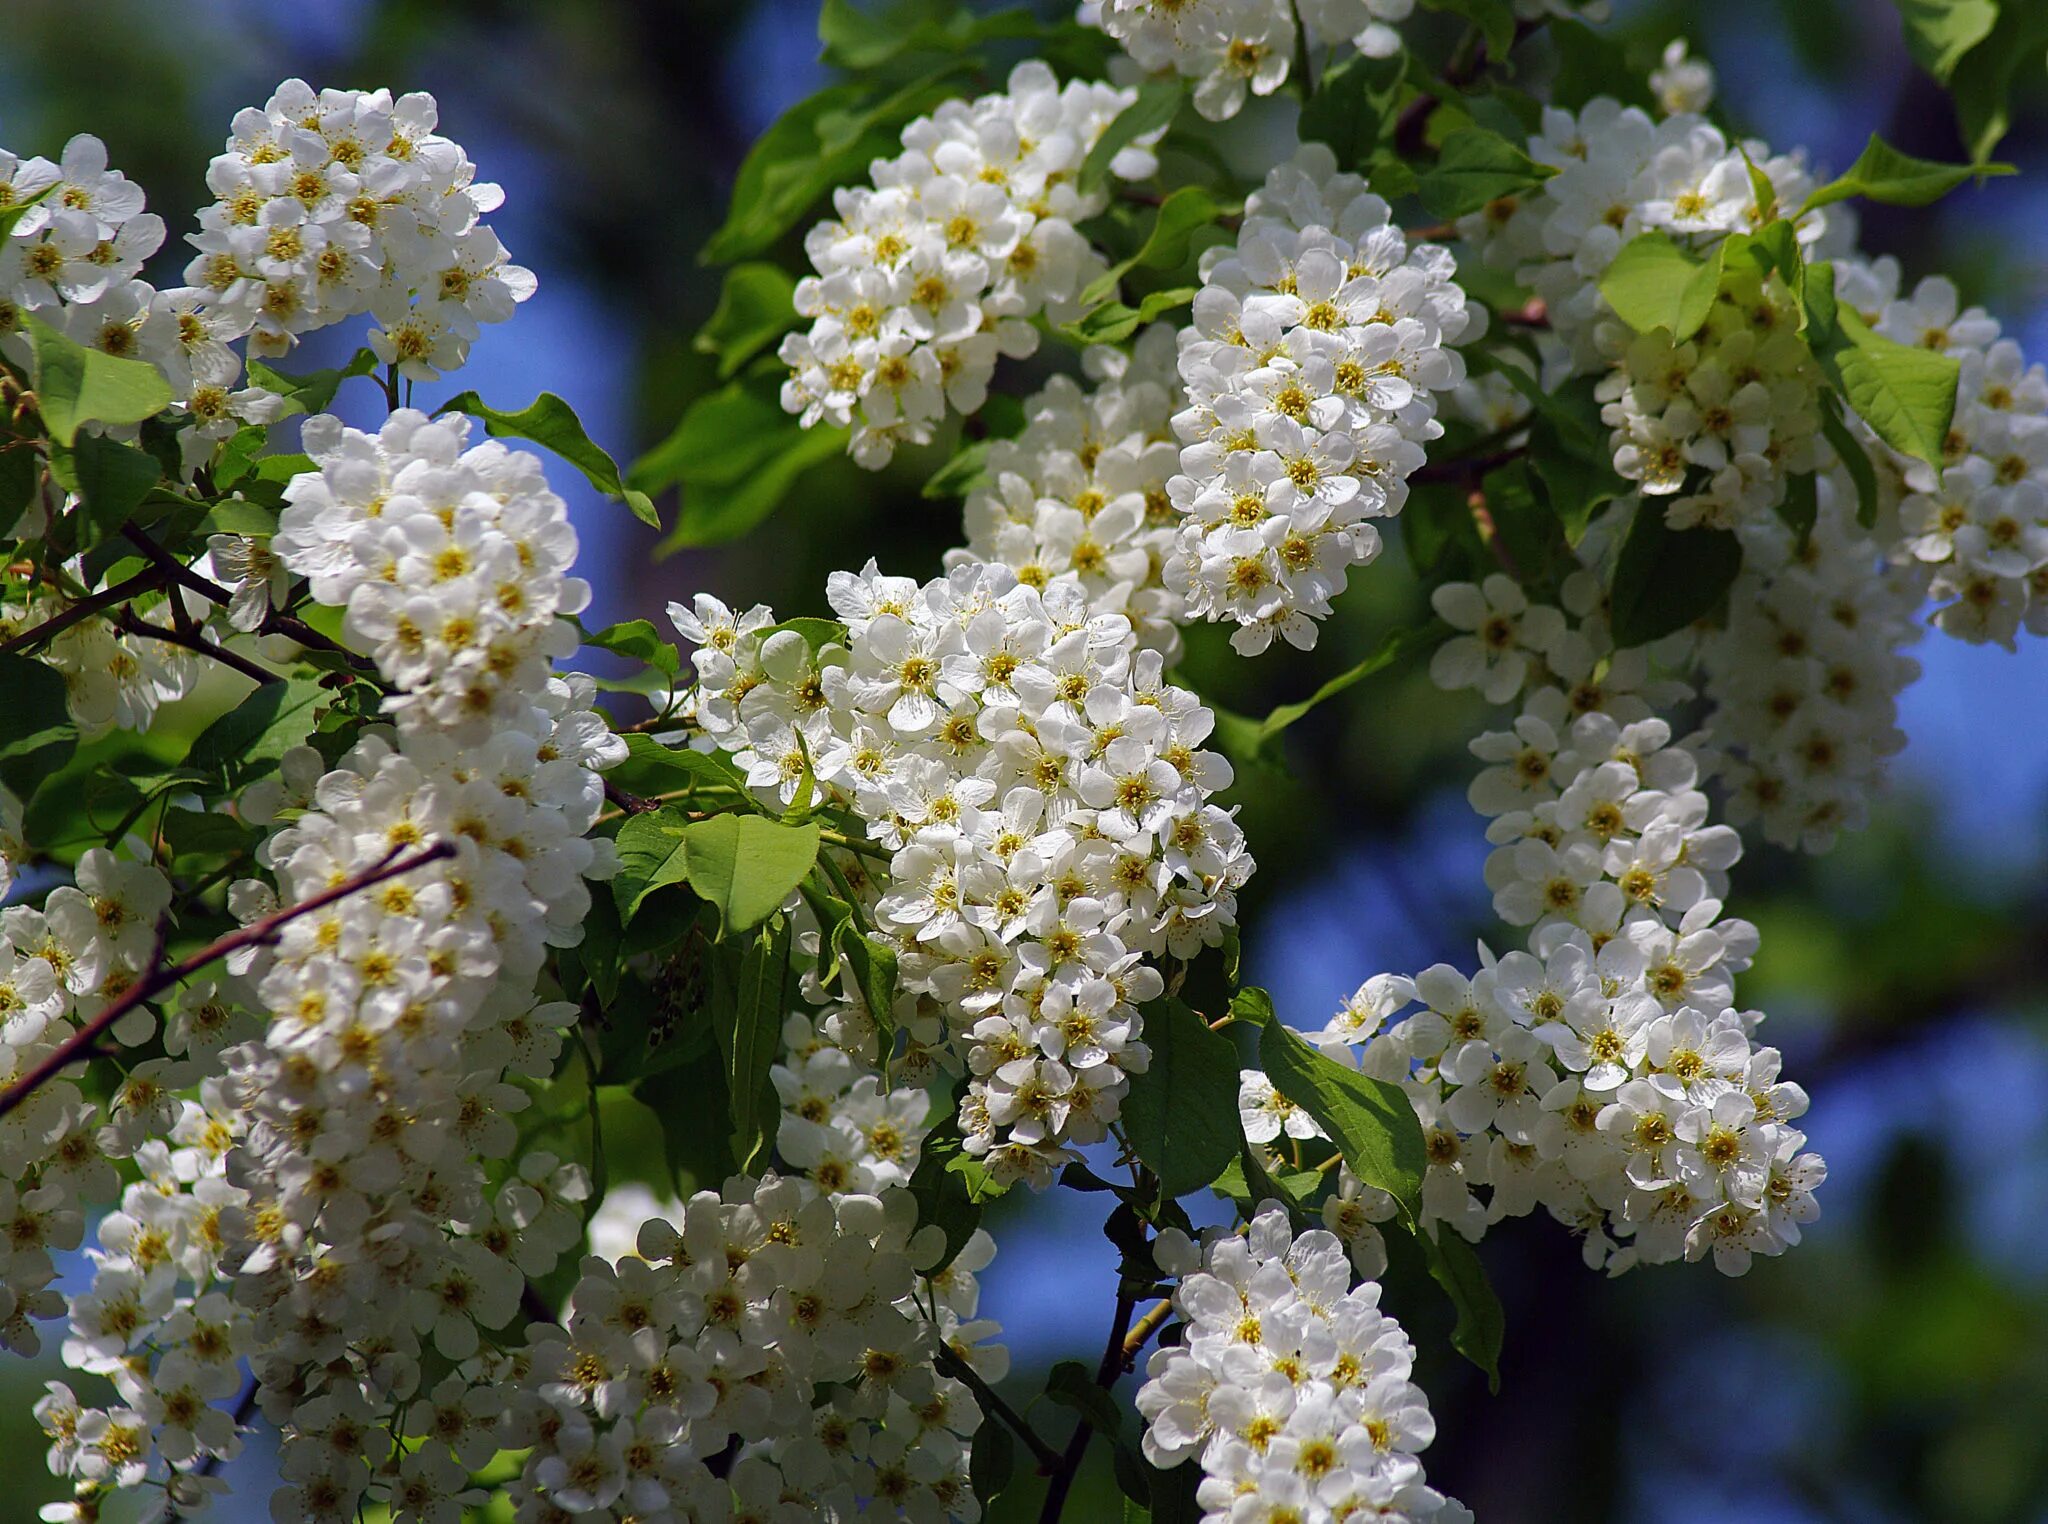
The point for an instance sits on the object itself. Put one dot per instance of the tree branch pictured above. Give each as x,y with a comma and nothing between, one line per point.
1144,1328
131,623
952,1365
1111,1367
84,608
160,978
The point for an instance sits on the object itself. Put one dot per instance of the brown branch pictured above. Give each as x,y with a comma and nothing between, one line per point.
131,623
1469,468
142,582
160,978
949,1363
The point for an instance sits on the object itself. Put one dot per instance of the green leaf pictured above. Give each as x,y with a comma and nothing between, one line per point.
872,962
761,999
1481,1326
1655,283
1882,173
744,865
992,1461
1354,105
1476,166
20,470
1168,242
652,768
816,633
966,471
76,385
1071,1385
820,142
314,391
858,39
692,1103
1800,505
942,1195
755,308
1181,1113
1982,80
246,743
40,737
638,639
112,478
1494,18
1371,1121
1666,578
551,423
736,454
1906,394
1855,460
1940,32
1113,322
1158,103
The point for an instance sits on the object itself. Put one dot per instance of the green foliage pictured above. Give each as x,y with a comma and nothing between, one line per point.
110,477
1481,1326
748,1027
314,391
76,385
1940,33
40,737
249,740
1181,1113
551,423
1477,165
1168,242
1355,106
1666,578
1370,1120
1854,459
1976,47
1113,322
1906,395
1882,173
755,308
1655,282
736,454
638,639
744,866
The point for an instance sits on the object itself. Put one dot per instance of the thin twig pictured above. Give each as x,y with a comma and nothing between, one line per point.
275,622
84,608
131,623
952,1365
1144,1328
160,978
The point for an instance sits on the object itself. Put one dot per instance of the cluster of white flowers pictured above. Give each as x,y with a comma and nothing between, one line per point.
1080,494
1720,421
359,1199
1604,1072
452,562
928,275
1805,674
332,203
1229,47
1289,1387
60,966
785,1335
1045,803
73,255
1317,346
1979,527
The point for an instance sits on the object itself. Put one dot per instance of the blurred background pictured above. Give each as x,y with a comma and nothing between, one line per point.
1892,1368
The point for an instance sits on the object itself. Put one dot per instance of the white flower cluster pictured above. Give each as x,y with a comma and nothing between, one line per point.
784,1334
1979,527
1290,1387
1229,47
354,1200
1719,422
73,254
1317,347
1080,494
60,966
1806,673
928,275
451,559
1604,1072
1045,801
332,203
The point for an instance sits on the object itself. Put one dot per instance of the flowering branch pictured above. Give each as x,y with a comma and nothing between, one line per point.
160,978
133,587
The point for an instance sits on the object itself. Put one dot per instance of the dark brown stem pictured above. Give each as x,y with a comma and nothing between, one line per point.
130,623
160,978
1471,468
142,582
1111,1367
951,1364
630,804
